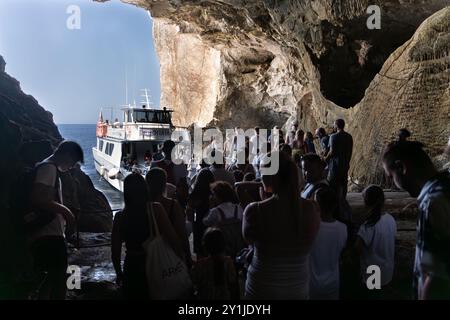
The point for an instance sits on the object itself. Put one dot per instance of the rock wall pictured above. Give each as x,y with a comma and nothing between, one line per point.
28,135
245,63
22,109
412,90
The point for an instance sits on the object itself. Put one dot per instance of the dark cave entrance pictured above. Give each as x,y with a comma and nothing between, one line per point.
355,55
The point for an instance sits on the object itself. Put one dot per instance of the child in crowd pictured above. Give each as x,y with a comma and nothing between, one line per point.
215,276
375,241
327,248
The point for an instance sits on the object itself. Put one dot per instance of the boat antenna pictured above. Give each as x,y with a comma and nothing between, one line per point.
134,85
126,86
146,96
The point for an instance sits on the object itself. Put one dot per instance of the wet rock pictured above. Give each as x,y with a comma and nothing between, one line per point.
93,255
91,206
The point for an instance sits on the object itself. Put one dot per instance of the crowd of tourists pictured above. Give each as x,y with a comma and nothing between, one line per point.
232,232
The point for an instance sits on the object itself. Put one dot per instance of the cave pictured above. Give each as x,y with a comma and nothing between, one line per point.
311,62
353,57
257,63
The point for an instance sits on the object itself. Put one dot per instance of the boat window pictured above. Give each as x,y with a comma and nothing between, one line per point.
141,116
100,145
152,116
109,148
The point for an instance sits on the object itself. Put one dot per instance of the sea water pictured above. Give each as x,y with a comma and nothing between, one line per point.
84,134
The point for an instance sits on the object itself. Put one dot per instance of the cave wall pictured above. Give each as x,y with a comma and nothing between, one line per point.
272,62
28,135
412,90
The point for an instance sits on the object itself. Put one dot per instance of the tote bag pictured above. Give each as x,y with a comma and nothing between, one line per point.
167,275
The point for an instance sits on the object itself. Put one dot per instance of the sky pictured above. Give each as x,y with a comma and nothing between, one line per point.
73,72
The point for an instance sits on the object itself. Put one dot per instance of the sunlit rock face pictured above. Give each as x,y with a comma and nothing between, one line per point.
191,69
412,90
245,63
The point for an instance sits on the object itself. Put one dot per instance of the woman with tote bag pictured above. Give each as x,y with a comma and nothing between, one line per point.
133,227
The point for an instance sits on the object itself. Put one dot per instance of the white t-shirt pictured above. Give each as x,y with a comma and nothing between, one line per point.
214,217
379,247
47,175
324,260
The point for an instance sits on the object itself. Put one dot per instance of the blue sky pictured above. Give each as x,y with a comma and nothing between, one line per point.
72,73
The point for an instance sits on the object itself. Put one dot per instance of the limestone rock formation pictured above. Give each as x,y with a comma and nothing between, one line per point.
412,90
245,63
34,121
27,135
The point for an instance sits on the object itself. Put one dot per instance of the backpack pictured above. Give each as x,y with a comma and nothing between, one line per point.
26,217
316,187
232,232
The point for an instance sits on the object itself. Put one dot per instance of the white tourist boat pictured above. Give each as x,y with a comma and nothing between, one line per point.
123,146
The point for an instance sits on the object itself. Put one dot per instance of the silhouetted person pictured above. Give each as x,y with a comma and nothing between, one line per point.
215,276
282,229
238,175
313,172
286,149
48,245
175,172
327,249
254,140
299,145
132,227
219,171
156,179
198,206
290,137
375,241
309,142
249,177
338,159
412,170
403,134
324,140
226,214
148,157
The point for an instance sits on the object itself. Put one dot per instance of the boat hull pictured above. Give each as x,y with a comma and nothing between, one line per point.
104,166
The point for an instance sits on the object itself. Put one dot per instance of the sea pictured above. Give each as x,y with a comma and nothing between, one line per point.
84,134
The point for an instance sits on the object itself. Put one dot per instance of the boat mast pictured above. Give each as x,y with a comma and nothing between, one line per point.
126,86
147,97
